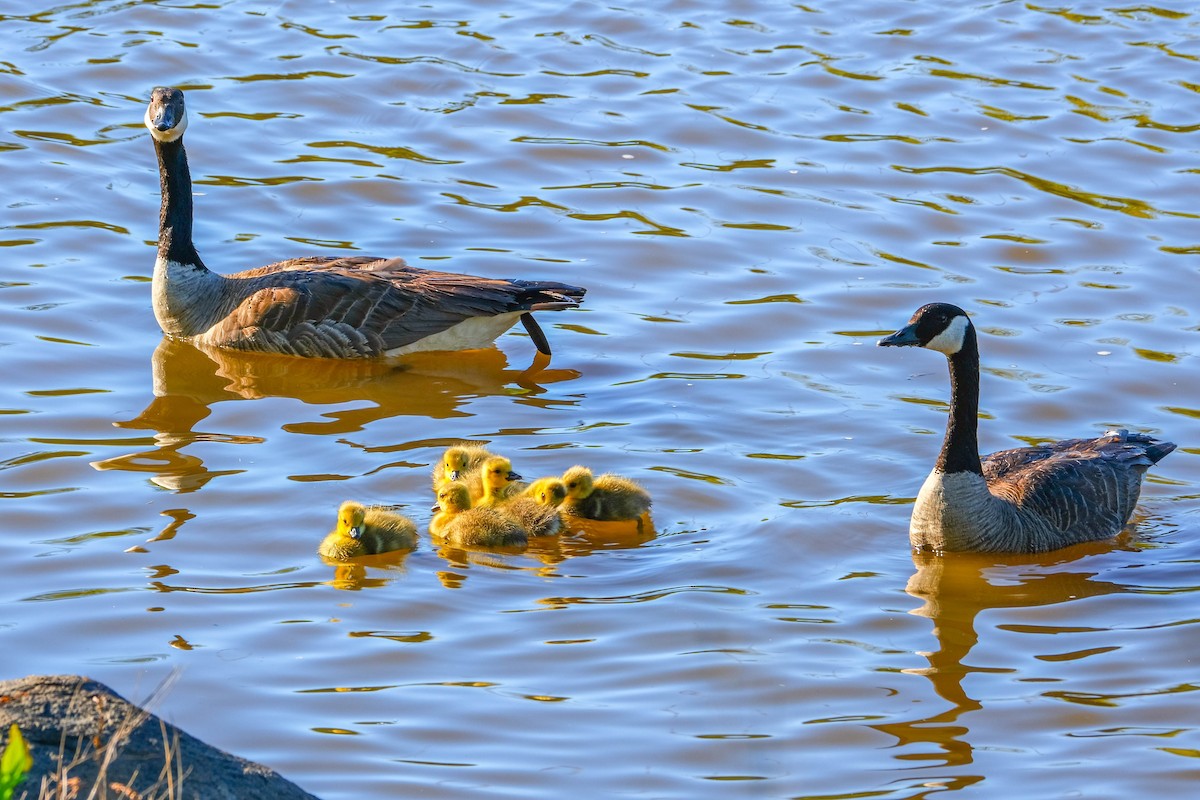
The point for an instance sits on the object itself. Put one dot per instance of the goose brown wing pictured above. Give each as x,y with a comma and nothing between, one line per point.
998,465
520,295
371,305
1089,486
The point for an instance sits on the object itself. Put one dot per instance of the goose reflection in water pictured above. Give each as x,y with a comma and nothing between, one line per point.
188,380
954,590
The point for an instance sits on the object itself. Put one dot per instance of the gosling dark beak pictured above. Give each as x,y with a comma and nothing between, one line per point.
356,532
905,337
455,474
512,476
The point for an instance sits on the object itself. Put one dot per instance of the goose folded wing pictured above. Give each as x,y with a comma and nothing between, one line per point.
1088,493
998,465
324,305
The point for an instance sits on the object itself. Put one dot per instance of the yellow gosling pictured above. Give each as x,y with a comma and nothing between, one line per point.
608,497
500,483
547,491
461,463
461,525
534,517
363,531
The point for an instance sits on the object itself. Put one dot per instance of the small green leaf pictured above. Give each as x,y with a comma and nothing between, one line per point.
15,763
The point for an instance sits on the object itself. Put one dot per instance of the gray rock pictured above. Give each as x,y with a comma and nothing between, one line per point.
79,732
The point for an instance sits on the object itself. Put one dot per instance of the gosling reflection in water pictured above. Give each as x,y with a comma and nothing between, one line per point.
954,590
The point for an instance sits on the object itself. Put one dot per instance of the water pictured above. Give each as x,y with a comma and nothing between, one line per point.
753,193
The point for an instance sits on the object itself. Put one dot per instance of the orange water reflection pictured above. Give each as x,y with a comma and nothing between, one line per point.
955,590
188,381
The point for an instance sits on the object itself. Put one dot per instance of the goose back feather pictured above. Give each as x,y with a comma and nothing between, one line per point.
1026,499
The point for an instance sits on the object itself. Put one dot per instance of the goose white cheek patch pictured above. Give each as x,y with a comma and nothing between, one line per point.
950,341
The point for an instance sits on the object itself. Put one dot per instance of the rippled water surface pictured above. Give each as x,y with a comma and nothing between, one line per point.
752,192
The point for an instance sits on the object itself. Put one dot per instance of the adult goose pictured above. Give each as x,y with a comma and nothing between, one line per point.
321,306
1028,499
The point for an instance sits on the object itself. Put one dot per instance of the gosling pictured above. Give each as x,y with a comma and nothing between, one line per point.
461,525
363,531
500,483
547,491
608,497
461,462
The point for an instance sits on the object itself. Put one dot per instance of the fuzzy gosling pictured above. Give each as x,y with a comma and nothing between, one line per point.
461,525
500,483
363,531
608,497
462,462
547,491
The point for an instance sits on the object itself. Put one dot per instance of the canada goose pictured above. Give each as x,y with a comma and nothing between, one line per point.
321,306
547,491
500,483
363,531
461,525
462,462
608,497
1028,499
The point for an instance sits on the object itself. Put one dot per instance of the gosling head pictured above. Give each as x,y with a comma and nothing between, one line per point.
936,326
548,491
454,462
578,482
351,516
498,471
166,116
454,497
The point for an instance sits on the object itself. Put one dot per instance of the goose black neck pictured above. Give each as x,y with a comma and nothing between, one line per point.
175,216
960,450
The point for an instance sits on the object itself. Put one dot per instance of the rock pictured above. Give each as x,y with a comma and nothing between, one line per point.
79,732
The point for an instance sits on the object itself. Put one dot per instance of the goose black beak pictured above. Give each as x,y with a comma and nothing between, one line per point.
164,118
356,532
905,337
513,476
